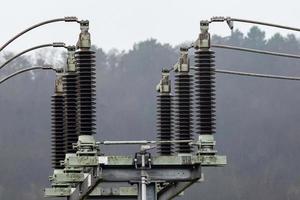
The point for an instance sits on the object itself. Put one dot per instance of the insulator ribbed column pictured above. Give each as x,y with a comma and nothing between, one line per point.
164,123
183,110
205,92
57,139
85,64
70,125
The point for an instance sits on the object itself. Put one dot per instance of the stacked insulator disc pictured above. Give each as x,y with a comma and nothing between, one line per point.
183,111
57,117
70,125
205,91
164,125
85,64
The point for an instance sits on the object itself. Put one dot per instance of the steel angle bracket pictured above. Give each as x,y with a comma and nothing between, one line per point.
129,191
68,178
81,161
58,192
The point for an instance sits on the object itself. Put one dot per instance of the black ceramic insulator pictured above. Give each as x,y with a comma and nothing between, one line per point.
85,65
205,92
57,139
164,123
70,125
183,111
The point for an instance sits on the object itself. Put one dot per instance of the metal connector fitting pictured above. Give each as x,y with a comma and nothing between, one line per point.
71,19
223,19
58,44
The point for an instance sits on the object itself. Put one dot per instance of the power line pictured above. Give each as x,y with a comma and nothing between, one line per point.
257,75
56,44
25,70
263,23
65,19
256,51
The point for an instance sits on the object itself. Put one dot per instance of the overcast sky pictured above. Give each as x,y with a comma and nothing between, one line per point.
121,23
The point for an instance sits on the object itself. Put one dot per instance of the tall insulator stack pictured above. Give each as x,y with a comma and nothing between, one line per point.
85,64
57,118
70,91
164,114
183,103
205,91
70,94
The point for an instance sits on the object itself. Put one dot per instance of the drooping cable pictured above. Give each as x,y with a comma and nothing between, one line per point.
255,51
24,70
262,23
65,19
257,75
55,44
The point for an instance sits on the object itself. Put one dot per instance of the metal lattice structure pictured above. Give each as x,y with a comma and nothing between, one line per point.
88,173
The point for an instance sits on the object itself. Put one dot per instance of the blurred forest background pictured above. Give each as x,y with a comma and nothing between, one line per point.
258,120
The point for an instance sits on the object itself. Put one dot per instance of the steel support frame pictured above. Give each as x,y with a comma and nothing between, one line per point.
179,172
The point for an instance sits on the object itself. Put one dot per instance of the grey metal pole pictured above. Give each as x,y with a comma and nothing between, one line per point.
143,180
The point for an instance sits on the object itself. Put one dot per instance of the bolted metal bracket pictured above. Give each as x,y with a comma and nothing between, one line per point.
206,145
86,146
58,192
126,191
74,161
139,163
59,178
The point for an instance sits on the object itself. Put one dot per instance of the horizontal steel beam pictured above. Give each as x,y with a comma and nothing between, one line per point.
204,160
158,174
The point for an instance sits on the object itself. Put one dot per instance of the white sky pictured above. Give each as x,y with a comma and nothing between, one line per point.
121,23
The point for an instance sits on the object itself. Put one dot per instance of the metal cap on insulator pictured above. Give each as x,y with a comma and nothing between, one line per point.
183,64
84,40
203,40
164,85
71,63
